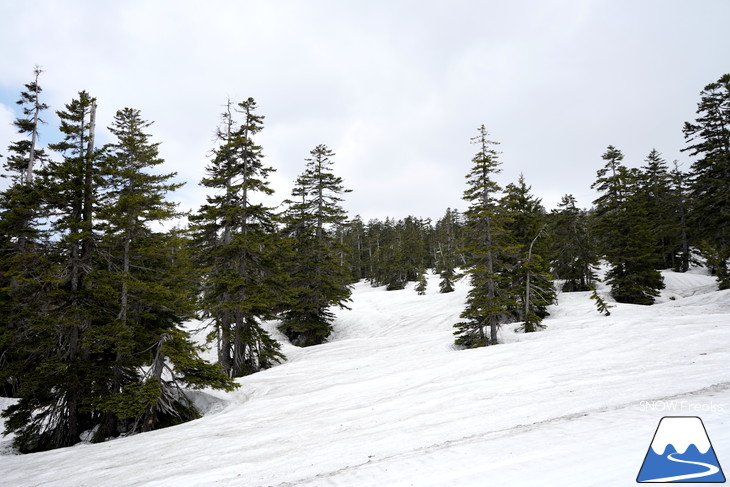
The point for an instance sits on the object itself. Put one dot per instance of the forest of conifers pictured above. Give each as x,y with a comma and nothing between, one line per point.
94,296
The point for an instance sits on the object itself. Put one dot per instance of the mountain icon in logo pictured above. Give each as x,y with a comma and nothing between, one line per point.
681,452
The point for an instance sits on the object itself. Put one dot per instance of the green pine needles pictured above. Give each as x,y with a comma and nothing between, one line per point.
320,279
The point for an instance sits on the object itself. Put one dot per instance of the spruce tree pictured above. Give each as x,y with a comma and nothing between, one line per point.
238,247
448,245
150,285
319,279
104,330
422,283
25,153
23,243
531,281
680,253
488,302
574,255
708,141
655,195
54,405
624,233
355,240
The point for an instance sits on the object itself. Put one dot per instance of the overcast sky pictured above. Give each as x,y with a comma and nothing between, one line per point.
395,88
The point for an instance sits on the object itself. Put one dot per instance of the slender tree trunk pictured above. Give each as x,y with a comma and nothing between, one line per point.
528,290
684,239
158,365
31,154
34,134
491,285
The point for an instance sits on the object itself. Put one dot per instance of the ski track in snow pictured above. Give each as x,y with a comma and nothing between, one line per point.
390,402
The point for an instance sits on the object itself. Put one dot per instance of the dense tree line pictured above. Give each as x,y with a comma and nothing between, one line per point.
93,295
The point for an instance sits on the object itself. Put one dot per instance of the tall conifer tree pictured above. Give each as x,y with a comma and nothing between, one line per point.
654,193
488,301
26,153
531,279
624,232
23,243
574,255
708,140
319,279
237,245
149,285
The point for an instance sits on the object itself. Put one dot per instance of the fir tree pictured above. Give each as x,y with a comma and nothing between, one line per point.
355,241
54,404
448,243
319,279
624,232
23,243
654,193
708,140
238,247
680,254
574,256
488,301
531,282
109,298
149,284
446,282
25,154
422,283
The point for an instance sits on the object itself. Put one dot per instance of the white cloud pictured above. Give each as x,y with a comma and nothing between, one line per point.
7,131
396,89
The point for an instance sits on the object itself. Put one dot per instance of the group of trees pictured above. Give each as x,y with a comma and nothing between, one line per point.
93,295
645,219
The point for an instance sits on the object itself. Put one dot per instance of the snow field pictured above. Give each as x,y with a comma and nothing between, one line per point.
390,402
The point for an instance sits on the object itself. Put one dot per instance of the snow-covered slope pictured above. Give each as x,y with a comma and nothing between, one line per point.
390,402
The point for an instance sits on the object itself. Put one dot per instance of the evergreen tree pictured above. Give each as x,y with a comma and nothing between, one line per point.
109,299
149,285
238,248
708,140
488,301
355,240
624,232
531,282
23,242
574,257
389,267
422,283
680,253
655,195
25,153
448,243
414,243
319,279
54,403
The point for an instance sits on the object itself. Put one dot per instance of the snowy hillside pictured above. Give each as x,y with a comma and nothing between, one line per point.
389,402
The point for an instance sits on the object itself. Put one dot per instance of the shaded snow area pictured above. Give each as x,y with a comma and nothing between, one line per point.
389,402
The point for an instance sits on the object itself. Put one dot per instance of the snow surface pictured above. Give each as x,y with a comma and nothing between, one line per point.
389,402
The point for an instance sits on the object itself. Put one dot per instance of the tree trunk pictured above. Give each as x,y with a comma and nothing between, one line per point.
34,135
158,365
